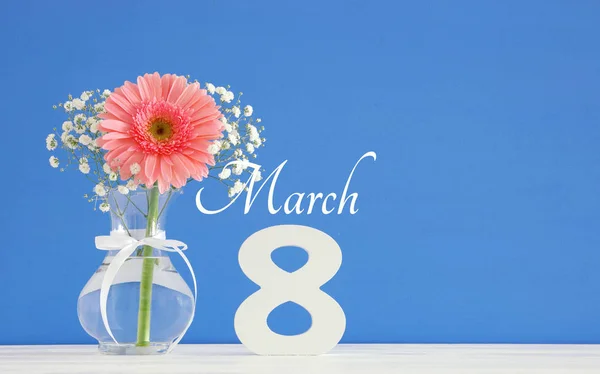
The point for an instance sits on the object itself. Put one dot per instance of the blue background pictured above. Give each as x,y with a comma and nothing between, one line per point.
477,223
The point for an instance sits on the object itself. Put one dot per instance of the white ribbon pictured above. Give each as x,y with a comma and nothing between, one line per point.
126,245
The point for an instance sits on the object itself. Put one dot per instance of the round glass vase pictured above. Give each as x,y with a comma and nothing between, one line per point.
149,304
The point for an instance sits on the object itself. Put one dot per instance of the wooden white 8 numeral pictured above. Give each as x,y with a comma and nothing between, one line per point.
278,286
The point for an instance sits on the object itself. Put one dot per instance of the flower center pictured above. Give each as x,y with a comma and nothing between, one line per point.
160,129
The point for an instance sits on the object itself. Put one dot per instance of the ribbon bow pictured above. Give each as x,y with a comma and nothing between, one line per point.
126,245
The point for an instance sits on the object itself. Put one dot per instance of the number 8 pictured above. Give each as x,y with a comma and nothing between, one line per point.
278,286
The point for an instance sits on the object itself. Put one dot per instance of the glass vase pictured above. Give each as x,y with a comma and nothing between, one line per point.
149,304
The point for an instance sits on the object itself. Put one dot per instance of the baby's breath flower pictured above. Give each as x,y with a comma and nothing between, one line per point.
123,190
225,173
78,104
238,187
85,96
85,139
94,127
113,176
245,163
236,111
99,108
53,161
227,97
233,137
135,168
258,120
237,169
249,148
80,128
51,143
105,93
210,88
257,175
90,121
67,126
131,186
252,133
100,190
220,90
106,168
71,142
104,207
93,146
248,110
68,105
84,168
79,118
214,148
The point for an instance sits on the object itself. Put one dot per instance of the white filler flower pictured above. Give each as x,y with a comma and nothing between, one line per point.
210,88
135,168
225,173
104,207
84,168
100,190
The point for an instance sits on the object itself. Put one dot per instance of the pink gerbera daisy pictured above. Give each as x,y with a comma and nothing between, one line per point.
165,125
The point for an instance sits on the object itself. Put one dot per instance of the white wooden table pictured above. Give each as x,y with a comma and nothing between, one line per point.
344,359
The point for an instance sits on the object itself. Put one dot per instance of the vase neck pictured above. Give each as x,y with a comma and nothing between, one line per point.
140,213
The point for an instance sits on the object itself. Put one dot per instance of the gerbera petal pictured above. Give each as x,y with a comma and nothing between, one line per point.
200,156
190,165
202,102
201,173
197,119
155,84
165,83
164,177
208,129
115,135
116,143
187,95
116,155
112,107
165,170
149,168
132,93
180,166
121,100
200,145
146,90
178,180
177,88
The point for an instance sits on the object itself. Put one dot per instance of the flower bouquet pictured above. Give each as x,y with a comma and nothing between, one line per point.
139,145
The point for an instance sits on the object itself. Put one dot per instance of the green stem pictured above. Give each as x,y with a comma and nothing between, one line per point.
143,331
